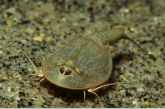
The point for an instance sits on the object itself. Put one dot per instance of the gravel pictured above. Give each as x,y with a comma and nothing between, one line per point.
42,27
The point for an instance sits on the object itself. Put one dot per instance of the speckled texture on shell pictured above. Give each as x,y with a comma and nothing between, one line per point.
90,63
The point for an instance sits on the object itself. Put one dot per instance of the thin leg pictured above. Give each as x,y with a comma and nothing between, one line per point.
94,89
34,75
42,79
84,95
112,50
91,91
39,73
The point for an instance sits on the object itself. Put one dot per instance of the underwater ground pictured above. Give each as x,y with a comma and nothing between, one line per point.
42,27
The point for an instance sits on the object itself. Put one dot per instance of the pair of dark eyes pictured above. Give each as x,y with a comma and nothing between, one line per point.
65,72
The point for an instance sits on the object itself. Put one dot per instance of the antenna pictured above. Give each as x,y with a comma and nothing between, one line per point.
35,68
